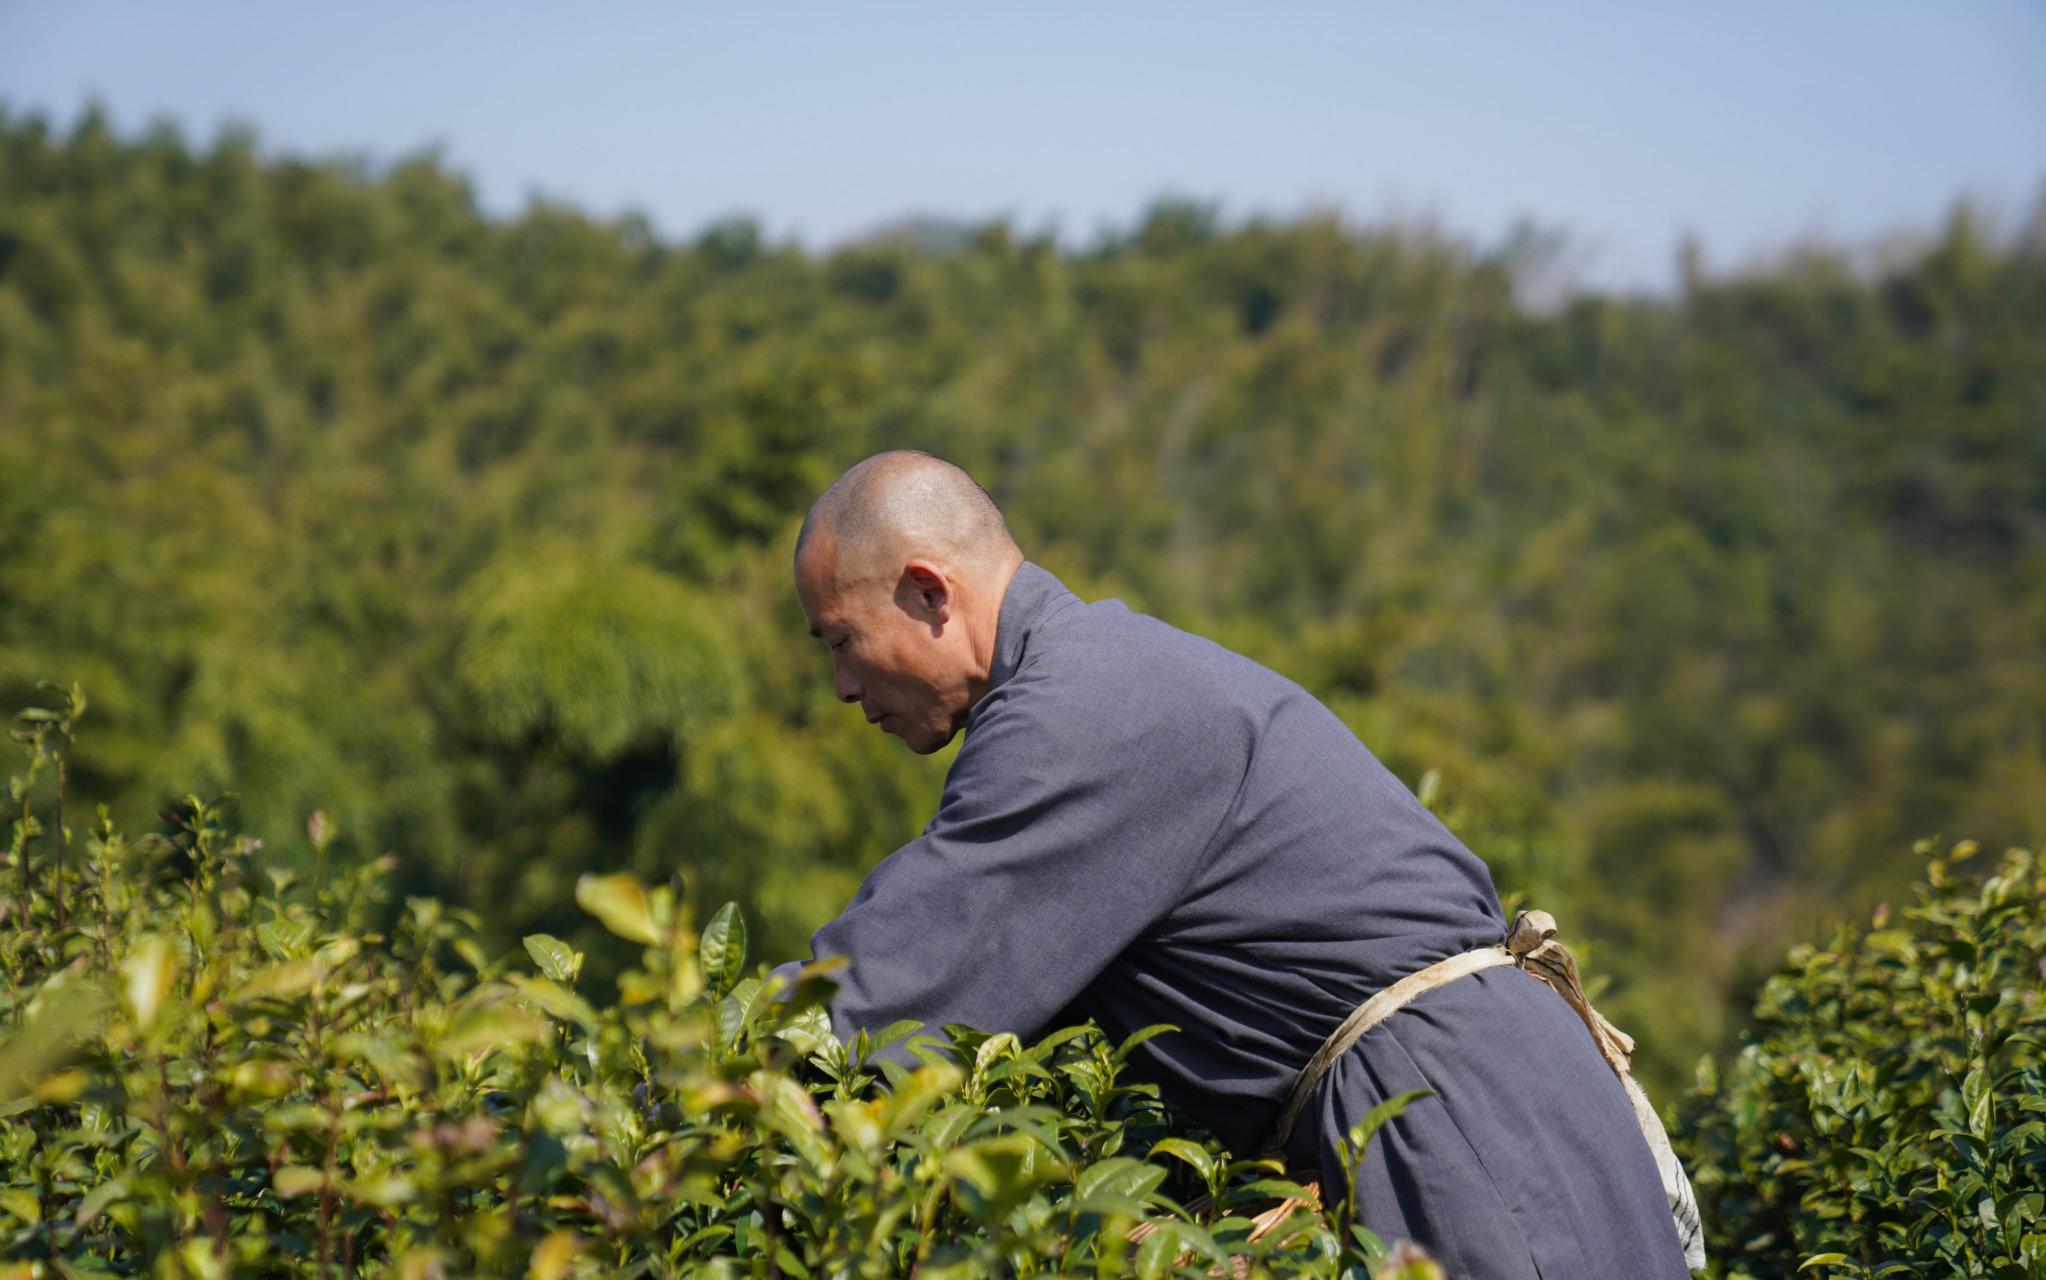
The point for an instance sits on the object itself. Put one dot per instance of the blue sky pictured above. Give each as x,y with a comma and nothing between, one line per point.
1627,125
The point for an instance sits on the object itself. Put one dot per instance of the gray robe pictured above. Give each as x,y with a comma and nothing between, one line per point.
1142,827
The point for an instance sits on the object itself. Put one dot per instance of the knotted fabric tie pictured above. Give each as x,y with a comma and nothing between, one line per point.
1531,946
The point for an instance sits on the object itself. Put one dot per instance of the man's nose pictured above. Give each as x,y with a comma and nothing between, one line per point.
845,683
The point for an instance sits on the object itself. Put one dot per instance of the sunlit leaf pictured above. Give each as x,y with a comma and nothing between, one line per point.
555,958
490,1026
388,1192
147,975
285,981
560,1002
47,1040
1181,1149
22,1204
1118,1176
722,950
621,904
1379,1116
284,938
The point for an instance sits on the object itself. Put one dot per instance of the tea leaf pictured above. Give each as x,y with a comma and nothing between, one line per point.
21,1204
621,904
563,1004
490,1026
1179,1148
556,958
47,1041
148,972
722,950
1118,1176
280,982
1379,1116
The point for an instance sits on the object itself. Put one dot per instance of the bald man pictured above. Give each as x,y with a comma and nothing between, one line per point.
1142,827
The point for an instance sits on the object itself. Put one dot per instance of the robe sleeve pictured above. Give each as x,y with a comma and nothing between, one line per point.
1073,819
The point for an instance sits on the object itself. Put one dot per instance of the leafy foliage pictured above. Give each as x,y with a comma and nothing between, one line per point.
1888,1116
212,1069
475,531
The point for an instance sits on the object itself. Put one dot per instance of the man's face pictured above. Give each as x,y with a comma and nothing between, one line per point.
893,648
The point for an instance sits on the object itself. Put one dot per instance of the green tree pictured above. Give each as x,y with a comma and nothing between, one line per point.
474,531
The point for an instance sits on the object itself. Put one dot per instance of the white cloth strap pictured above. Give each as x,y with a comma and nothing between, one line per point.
1530,945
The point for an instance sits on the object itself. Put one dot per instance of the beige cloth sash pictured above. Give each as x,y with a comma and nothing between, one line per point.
1530,946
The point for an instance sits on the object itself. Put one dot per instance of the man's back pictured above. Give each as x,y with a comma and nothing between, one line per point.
1144,828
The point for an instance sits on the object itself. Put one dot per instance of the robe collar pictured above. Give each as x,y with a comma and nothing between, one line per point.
1033,596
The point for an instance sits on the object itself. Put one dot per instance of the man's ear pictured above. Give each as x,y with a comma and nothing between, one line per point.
926,591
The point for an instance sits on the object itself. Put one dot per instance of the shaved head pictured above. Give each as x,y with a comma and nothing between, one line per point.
905,503
901,568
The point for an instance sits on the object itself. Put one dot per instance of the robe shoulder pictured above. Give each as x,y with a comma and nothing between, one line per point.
1090,784
1142,827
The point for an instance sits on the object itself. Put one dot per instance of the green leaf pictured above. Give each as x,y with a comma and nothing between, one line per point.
284,938
1118,1176
497,1024
1138,1037
1369,1242
1981,1099
1042,1049
392,1060
562,1003
1156,1254
286,981
387,1192
1264,1189
621,904
1382,1114
809,1030
1191,1238
735,1012
2021,1206
95,1201
147,974
1103,1204
556,958
1004,1171
722,950
48,1040
1822,1260
21,1204
1179,1148
916,1093
890,1035
992,1048
298,1117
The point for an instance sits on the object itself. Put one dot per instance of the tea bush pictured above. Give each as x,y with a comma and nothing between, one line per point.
213,1069
1888,1115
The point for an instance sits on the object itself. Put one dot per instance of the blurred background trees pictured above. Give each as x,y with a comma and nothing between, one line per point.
331,490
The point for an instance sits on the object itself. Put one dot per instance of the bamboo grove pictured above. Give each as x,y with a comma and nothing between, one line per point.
1689,614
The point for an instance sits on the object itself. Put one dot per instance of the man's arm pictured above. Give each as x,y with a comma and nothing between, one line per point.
1072,821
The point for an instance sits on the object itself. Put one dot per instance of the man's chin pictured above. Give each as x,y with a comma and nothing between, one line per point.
923,742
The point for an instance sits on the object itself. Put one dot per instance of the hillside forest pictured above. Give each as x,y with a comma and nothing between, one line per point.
1689,614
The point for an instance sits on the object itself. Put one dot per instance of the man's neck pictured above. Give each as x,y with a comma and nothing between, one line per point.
986,632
